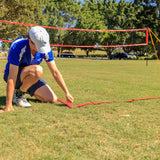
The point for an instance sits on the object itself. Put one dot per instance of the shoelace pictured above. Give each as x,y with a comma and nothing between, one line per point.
23,98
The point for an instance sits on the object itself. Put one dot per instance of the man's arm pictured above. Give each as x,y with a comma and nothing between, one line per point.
59,79
12,77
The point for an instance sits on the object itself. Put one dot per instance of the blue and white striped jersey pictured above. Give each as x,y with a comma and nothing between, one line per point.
20,55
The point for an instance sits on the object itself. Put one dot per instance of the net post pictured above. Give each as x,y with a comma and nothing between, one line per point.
147,57
147,36
147,30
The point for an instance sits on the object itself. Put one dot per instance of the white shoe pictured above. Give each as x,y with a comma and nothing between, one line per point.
21,101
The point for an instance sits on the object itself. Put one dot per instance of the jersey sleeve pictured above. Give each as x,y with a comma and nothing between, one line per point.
49,56
14,55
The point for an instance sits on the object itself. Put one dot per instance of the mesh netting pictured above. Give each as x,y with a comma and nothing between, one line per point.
82,38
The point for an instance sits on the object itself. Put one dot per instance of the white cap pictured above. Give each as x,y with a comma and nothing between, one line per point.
40,38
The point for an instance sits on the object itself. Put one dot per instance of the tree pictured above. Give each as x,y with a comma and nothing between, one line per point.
149,16
89,19
91,14
24,11
60,14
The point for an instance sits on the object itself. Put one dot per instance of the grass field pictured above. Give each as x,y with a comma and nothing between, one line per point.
115,131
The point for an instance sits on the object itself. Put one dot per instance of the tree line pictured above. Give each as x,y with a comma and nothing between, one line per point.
89,14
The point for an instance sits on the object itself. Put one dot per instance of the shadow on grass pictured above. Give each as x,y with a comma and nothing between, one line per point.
2,102
34,100
38,101
62,105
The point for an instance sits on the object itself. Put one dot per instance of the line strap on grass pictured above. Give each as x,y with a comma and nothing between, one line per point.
95,103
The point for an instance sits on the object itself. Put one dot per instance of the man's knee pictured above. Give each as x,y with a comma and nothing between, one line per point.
38,71
49,98
54,99
34,71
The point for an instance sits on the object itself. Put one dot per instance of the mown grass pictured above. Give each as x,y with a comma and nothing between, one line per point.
94,132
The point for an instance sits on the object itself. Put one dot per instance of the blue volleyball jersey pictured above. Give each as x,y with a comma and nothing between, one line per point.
20,55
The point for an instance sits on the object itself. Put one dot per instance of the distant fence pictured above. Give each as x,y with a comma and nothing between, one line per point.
3,54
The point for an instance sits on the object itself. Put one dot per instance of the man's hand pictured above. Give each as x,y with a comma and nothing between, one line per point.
7,109
69,98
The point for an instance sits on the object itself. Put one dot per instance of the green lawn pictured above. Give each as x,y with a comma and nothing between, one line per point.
115,131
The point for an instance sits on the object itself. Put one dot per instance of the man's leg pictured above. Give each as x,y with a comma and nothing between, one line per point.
29,76
45,94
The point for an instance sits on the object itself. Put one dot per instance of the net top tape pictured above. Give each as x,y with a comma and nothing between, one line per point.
74,29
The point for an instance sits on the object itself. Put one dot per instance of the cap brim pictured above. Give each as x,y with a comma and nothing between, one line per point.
44,49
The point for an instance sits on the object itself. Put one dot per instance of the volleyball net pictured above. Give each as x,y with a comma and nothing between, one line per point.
81,38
